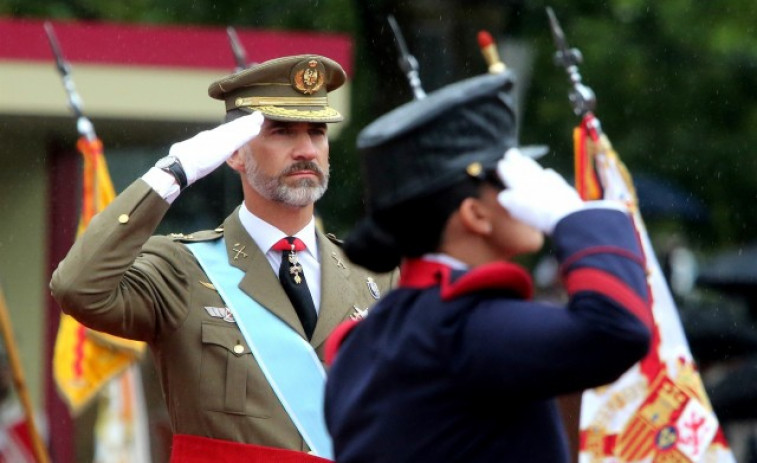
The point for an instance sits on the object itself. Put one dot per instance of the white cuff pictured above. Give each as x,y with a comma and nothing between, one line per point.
163,183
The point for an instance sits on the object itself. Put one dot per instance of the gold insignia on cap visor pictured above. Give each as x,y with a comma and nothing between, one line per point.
281,101
327,114
308,76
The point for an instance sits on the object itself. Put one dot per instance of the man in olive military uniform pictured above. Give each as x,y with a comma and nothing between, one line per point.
238,351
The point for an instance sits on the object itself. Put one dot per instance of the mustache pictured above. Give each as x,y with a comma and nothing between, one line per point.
304,165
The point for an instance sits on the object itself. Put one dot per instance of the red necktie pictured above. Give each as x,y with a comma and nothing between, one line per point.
292,279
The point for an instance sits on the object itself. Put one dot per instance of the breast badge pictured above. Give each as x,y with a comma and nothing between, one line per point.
220,312
373,288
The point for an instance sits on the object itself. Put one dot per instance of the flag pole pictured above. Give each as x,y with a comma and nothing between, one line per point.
240,56
407,62
614,418
19,381
97,191
490,53
495,65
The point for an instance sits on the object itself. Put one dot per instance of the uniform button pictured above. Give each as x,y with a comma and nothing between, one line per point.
238,349
123,218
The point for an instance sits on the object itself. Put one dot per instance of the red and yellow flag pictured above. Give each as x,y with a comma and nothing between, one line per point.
85,360
658,411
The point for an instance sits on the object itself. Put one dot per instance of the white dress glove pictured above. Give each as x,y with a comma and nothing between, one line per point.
203,153
536,196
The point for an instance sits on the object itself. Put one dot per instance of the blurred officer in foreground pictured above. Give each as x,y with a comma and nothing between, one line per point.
236,316
458,364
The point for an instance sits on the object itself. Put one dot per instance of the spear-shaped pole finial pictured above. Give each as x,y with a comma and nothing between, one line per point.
240,56
407,61
83,124
582,98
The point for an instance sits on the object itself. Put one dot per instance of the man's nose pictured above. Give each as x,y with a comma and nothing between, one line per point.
304,148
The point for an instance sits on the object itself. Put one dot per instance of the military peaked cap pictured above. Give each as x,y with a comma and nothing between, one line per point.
292,88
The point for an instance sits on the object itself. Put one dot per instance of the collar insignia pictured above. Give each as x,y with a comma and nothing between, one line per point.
358,313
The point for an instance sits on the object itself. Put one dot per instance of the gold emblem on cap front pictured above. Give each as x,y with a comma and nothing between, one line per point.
308,79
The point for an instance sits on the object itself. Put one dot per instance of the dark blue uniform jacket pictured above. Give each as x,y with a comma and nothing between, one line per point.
463,367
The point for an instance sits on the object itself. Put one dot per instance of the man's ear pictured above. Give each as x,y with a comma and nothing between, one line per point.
236,161
475,216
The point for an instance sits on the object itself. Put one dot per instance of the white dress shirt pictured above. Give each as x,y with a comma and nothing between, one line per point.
263,234
266,235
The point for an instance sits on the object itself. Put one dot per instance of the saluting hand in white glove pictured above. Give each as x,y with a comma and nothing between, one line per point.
203,153
536,196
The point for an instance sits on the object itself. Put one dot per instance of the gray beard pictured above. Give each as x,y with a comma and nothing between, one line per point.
305,192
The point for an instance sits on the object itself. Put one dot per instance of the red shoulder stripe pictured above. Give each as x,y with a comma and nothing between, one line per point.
602,250
589,279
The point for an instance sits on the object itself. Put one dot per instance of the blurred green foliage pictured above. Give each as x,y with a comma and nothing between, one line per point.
326,15
675,81
675,85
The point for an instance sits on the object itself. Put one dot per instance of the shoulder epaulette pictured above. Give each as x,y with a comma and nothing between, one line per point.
332,237
204,235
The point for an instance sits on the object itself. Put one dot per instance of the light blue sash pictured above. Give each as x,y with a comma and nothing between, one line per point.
288,361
